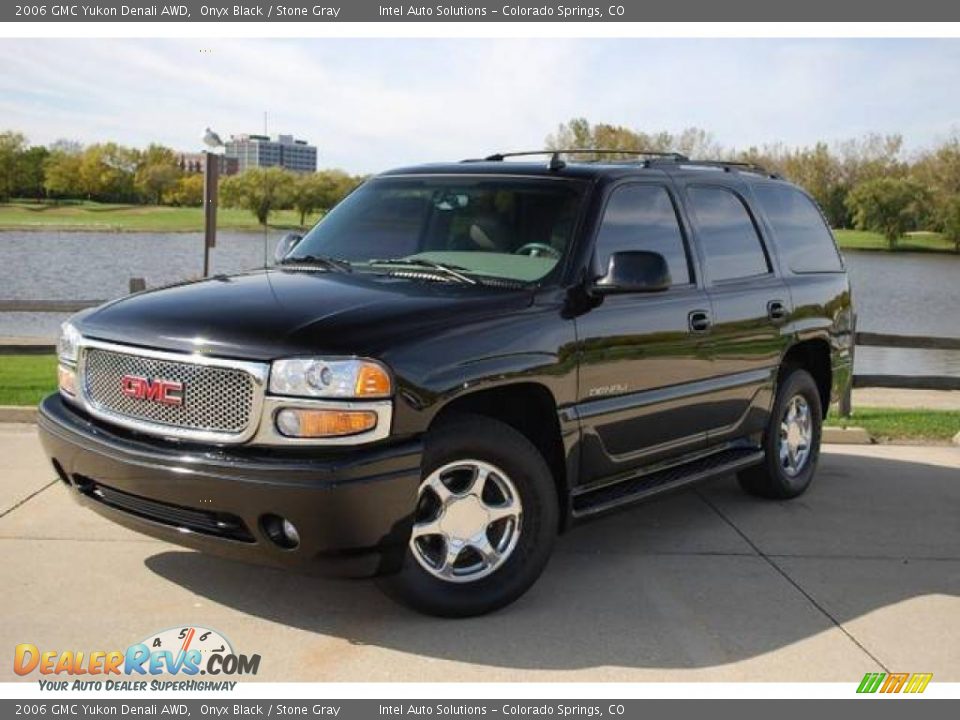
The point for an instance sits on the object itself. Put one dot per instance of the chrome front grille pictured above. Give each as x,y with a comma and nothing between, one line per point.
221,399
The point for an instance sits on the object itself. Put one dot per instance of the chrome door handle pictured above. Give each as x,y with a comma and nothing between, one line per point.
699,321
776,310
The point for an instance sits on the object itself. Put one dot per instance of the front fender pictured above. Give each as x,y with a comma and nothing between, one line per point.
536,346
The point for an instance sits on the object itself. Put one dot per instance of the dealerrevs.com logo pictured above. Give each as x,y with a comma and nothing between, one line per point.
889,683
185,651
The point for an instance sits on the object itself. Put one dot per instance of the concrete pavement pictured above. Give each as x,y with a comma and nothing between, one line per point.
861,574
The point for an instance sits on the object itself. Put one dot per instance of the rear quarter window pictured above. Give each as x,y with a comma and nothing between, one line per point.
800,232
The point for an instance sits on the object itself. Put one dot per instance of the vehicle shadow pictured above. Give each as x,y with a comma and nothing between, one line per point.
703,578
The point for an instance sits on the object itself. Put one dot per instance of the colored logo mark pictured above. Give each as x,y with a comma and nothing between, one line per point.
894,682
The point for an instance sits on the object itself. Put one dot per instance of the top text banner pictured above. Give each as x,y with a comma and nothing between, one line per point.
484,11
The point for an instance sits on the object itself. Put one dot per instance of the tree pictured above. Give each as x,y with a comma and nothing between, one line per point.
950,218
939,171
871,157
886,205
259,190
818,171
579,133
573,134
31,172
157,173
12,146
71,147
187,192
107,172
61,173
320,191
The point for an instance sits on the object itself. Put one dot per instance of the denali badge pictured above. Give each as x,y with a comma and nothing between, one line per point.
166,392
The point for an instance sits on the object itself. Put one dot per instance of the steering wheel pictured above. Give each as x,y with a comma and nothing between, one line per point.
538,250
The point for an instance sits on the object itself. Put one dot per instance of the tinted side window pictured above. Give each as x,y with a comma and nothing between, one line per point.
642,217
801,234
727,233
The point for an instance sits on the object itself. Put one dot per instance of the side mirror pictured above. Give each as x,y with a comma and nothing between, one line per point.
287,243
634,271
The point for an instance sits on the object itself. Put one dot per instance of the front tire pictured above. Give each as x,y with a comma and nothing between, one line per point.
486,519
791,443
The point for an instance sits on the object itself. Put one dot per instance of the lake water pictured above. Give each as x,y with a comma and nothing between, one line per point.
911,294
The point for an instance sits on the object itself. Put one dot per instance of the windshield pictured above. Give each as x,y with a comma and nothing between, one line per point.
510,228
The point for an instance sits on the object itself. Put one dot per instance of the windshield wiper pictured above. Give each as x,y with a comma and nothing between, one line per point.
452,271
326,261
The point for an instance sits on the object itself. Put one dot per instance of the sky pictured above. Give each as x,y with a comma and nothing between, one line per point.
372,104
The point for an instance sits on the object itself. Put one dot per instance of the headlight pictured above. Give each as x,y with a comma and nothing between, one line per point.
330,378
68,342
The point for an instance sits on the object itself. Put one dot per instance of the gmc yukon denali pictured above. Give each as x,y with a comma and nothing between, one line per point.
461,361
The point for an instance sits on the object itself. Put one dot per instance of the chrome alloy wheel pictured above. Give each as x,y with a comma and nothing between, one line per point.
796,435
468,521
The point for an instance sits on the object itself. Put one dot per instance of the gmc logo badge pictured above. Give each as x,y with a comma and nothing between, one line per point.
165,392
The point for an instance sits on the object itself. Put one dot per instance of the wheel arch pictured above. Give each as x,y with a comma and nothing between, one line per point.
530,408
812,355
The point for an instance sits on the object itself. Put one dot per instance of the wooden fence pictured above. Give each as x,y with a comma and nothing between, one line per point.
908,382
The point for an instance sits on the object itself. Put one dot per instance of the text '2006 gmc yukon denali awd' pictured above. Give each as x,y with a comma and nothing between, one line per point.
460,361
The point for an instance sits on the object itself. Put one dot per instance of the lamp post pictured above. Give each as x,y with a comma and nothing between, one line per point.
211,177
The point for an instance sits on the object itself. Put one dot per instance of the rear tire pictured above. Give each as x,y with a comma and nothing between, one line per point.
486,519
791,443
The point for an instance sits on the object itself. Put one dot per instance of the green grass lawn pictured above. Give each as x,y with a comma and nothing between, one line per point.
912,242
897,424
144,218
26,379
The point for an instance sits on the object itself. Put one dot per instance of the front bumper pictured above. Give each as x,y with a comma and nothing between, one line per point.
353,509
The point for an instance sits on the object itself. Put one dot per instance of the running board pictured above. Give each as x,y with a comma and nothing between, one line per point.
650,482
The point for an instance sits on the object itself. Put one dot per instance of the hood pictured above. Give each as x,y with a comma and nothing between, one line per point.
274,313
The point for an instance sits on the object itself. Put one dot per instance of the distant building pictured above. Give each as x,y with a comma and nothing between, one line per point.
194,163
260,151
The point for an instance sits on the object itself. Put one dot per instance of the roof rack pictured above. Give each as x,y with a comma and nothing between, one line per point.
725,165
650,158
556,163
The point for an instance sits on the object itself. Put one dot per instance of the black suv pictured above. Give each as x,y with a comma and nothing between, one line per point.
460,361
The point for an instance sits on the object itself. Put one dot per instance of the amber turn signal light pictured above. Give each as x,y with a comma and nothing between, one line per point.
293,422
372,381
